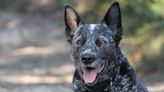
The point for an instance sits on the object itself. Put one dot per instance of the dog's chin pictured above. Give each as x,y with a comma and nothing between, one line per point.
90,74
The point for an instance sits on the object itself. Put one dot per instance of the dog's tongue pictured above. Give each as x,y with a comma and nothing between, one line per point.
89,76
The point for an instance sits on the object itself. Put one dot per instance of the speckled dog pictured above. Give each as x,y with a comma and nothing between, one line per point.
100,65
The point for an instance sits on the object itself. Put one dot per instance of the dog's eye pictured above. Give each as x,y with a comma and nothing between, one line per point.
80,41
101,42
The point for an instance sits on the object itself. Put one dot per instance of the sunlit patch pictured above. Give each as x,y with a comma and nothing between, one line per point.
32,79
13,23
38,50
156,88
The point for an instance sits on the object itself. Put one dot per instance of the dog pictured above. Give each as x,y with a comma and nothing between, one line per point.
99,63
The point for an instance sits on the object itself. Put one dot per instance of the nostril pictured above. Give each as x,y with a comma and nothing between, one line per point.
87,59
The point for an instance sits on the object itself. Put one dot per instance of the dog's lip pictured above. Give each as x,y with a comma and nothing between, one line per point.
100,68
98,71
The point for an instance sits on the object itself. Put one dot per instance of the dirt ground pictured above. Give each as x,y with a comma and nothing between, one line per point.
34,56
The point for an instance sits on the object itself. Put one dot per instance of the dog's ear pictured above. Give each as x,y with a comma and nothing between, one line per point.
113,20
72,22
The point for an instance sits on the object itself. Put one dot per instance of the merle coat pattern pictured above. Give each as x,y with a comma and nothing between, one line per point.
100,65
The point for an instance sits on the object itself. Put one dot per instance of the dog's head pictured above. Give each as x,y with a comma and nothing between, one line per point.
94,46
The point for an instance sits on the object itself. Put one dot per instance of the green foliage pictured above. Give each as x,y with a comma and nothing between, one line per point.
144,29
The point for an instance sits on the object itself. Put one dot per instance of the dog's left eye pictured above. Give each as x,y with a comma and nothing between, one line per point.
101,42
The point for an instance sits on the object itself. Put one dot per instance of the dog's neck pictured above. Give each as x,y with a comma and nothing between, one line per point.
118,52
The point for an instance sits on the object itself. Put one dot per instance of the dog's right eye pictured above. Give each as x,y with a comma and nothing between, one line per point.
101,42
80,41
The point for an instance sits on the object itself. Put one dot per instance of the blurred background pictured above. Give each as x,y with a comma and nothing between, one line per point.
34,54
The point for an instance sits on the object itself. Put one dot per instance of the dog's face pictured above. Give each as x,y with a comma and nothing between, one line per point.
94,46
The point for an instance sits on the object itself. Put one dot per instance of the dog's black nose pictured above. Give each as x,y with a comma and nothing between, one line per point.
87,58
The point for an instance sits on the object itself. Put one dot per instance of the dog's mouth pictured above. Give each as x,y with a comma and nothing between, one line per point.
90,74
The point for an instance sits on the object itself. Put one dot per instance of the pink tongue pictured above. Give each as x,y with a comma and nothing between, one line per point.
89,76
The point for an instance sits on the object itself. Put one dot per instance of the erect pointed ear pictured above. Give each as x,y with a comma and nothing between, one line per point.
113,20
72,22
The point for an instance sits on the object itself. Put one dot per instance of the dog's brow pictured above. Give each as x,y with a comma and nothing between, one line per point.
103,37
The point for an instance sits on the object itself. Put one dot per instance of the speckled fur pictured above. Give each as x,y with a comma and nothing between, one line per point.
117,75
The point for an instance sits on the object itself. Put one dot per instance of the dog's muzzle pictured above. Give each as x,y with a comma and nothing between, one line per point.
90,70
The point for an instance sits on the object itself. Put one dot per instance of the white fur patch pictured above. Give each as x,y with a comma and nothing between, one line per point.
87,51
92,26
